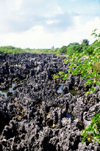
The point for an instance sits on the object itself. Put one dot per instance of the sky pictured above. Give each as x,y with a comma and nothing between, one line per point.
44,24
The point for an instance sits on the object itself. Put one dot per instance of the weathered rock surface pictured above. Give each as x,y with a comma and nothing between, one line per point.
33,116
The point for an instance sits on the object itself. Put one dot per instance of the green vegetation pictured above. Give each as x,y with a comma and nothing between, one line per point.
85,62
70,49
92,133
11,50
74,47
14,50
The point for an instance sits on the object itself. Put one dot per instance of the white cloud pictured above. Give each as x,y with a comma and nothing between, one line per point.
38,38
42,24
81,31
20,16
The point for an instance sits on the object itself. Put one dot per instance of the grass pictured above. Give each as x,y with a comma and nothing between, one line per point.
14,50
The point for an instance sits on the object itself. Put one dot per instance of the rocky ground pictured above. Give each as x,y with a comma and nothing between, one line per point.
34,114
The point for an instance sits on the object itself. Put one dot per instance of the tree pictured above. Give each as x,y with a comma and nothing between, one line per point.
74,48
85,42
63,49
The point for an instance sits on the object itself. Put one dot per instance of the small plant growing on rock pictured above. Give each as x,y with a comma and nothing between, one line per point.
61,74
92,133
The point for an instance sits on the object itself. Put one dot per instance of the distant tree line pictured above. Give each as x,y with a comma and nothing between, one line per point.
69,49
76,47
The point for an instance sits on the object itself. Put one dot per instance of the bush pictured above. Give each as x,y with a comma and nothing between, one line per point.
74,48
92,133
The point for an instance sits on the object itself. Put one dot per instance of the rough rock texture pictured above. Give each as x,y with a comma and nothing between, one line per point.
33,116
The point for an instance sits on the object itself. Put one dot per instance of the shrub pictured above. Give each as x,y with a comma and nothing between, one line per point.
92,133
